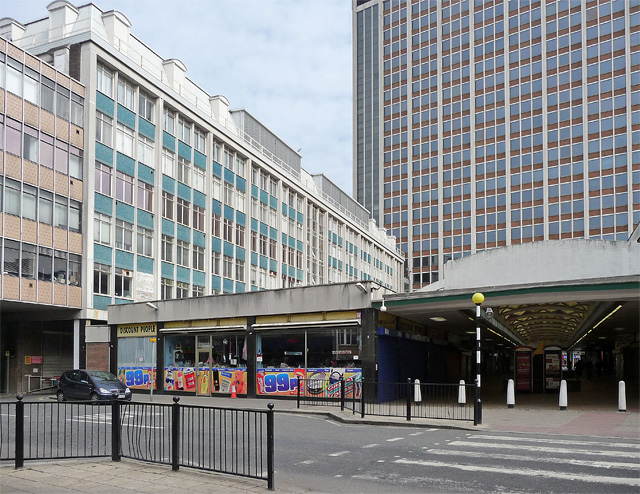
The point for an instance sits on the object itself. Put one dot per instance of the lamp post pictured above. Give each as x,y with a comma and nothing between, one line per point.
478,298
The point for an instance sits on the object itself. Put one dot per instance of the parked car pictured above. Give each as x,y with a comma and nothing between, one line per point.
94,385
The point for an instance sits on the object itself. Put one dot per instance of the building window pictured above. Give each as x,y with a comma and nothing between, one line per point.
199,179
75,163
229,195
182,253
227,266
184,131
104,129
198,258
124,187
145,242
239,270
11,258
166,287
46,150
217,188
169,122
145,150
123,281
145,107
215,263
145,196
29,202
182,215
30,144
167,205
101,274
31,79
198,291
125,94
239,235
198,218
47,94
124,235
45,207
227,231
105,81
215,224
61,212
199,140
168,163
124,139
182,289
240,198
77,110
45,261
167,248
75,216
28,263
184,170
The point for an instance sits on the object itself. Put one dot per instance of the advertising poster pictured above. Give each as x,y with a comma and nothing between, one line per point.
523,371
279,382
137,377
179,379
552,370
220,380
324,383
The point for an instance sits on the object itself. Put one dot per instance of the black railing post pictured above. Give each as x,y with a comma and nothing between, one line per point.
475,403
298,392
408,398
19,432
342,394
175,433
362,399
270,446
116,431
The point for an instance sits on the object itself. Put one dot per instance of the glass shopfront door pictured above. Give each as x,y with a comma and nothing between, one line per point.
203,365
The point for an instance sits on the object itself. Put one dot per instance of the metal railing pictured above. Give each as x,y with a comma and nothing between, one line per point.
231,441
392,399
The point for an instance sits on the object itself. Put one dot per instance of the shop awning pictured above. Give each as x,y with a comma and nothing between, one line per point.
307,324
204,329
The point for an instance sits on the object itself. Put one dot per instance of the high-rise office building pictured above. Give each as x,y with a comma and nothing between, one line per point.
482,124
160,190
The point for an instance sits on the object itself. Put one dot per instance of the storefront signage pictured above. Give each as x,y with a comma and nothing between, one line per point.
137,330
32,359
137,377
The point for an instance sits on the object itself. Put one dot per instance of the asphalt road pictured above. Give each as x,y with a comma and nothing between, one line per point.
317,455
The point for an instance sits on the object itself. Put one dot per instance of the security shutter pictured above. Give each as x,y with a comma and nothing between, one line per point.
57,353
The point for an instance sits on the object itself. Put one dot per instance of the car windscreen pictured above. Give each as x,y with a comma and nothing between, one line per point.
102,376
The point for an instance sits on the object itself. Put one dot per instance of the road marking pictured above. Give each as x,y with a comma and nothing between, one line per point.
525,472
539,459
307,462
545,449
395,439
369,446
339,453
558,441
337,476
417,433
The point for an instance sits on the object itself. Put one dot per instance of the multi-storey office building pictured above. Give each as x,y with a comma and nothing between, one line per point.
183,197
41,204
481,124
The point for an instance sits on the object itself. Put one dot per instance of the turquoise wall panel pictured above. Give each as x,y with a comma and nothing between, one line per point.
199,199
120,301
299,246
255,192
292,272
273,265
273,202
254,258
168,184
264,229
241,218
285,209
104,104
183,274
292,242
229,176
264,262
292,213
284,238
125,212
102,254
300,217
216,282
217,169
198,278
146,128
254,224
125,164
124,260
184,150
103,204
184,233
184,192
126,117
273,234
168,141
240,253
227,286
146,174
100,302
216,244
145,264
264,197
168,227
199,159
216,206
240,287
199,238
229,213
241,184
227,249
299,274
104,154
167,270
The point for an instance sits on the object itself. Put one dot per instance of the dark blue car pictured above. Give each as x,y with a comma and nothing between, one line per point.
94,385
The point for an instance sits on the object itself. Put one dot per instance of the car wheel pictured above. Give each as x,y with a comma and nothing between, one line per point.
94,397
60,396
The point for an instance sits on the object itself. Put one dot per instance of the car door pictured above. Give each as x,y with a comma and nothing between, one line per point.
70,384
84,386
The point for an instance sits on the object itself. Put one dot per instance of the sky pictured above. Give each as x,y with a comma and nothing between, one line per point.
288,62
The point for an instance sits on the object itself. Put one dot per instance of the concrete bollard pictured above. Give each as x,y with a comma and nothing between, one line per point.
622,397
417,393
462,394
563,395
511,395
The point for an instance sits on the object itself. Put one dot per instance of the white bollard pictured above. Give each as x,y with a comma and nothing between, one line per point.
622,397
462,394
511,395
563,395
417,394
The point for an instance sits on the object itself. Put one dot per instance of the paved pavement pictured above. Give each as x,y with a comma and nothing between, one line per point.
591,412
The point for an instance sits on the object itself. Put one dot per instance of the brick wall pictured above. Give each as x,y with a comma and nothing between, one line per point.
98,356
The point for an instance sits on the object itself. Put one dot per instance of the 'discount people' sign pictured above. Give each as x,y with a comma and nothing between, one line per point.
137,330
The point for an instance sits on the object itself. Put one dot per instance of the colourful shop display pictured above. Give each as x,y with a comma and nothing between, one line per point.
138,377
322,382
